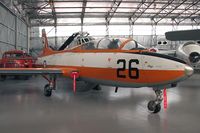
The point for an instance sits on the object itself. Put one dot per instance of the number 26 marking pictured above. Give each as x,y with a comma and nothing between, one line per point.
121,71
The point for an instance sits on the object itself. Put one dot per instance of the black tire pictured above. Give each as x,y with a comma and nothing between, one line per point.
151,106
97,88
3,77
47,90
25,77
16,77
157,108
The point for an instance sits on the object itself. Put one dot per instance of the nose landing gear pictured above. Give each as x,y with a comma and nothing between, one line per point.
154,106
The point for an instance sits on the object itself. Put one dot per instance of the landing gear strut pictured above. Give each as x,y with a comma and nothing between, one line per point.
155,105
50,86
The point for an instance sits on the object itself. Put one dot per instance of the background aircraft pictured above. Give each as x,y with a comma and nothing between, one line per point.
112,62
189,51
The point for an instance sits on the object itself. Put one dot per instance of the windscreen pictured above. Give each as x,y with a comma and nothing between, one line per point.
132,45
107,43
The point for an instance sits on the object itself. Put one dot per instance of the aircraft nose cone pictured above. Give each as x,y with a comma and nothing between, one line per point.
188,70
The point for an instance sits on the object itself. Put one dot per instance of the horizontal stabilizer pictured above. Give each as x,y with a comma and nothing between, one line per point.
183,35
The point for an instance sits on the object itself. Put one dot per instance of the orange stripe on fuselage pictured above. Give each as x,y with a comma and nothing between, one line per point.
145,76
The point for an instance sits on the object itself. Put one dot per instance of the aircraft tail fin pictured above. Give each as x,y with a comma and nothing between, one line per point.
46,48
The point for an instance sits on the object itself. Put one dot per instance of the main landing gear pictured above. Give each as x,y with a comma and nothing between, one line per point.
154,106
52,83
50,86
47,90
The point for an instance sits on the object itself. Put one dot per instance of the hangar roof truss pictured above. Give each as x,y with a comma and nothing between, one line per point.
112,12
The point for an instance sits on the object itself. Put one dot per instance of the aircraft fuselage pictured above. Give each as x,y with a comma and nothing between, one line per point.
123,69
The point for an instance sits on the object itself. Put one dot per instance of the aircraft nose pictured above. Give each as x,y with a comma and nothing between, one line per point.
188,70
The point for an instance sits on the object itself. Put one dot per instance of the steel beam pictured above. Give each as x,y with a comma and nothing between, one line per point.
105,7
187,8
112,10
188,17
171,11
136,17
83,13
179,10
163,8
93,24
51,3
108,1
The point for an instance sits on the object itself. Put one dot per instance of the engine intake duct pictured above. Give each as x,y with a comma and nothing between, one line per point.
194,57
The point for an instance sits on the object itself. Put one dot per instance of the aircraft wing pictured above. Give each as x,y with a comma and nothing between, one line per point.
183,35
37,71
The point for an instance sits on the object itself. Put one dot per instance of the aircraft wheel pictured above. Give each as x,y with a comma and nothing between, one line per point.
97,88
16,77
25,77
3,77
47,90
157,108
154,107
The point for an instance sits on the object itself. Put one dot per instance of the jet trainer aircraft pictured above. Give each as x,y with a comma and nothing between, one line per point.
99,62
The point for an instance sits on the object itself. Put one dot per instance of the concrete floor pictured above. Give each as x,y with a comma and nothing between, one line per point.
23,108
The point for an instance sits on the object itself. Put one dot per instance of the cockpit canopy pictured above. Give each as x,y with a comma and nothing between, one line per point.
106,43
82,40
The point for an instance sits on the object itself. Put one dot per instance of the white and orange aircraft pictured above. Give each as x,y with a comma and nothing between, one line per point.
129,65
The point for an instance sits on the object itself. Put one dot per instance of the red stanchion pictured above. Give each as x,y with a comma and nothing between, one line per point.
74,76
165,98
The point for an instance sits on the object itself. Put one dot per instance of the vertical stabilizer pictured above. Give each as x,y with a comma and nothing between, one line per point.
46,49
44,38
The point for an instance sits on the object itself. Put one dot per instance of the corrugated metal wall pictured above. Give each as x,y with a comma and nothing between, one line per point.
13,31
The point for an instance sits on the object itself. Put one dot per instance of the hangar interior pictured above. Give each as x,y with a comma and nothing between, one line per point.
145,19
25,109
